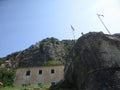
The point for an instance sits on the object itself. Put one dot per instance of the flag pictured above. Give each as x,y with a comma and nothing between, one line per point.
72,28
100,15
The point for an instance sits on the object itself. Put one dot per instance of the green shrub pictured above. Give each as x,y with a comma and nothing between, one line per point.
30,87
51,63
1,61
44,86
7,76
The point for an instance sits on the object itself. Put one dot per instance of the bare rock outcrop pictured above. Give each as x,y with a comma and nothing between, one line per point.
49,49
94,64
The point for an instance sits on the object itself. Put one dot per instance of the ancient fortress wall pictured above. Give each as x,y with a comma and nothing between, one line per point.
39,75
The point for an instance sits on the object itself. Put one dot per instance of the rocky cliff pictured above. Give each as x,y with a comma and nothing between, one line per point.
49,49
94,64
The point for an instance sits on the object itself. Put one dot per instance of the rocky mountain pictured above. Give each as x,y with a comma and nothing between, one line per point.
94,64
49,49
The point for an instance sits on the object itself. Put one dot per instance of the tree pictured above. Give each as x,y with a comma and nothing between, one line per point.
7,76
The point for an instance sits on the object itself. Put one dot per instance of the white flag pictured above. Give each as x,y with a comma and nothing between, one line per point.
100,15
72,28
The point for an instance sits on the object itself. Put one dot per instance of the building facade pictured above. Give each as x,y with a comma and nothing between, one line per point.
39,75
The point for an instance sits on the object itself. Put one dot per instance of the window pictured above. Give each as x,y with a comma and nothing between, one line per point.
52,71
39,84
27,73
52,83
40,72
24,85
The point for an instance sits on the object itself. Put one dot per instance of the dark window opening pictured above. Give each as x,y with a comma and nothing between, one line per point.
24,85
27,73
53,83
40,72
39,84
52,71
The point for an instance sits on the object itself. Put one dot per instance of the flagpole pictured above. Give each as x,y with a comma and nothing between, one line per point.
73,32
103,23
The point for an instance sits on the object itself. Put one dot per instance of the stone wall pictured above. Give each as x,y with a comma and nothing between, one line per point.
35,78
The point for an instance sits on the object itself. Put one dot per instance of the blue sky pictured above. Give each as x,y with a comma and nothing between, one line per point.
25,22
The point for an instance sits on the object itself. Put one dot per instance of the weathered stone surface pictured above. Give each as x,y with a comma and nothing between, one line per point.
94,64
35,78
49,49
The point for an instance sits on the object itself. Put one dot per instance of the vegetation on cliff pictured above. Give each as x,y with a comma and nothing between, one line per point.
54,63
49,51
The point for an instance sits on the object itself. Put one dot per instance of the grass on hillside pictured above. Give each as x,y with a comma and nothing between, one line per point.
30,87
52,63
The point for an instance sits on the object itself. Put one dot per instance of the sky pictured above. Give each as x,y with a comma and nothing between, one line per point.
25,22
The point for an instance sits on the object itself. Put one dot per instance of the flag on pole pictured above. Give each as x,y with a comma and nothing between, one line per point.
100,15
72,28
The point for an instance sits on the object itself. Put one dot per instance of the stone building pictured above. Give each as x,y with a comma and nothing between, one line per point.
39,75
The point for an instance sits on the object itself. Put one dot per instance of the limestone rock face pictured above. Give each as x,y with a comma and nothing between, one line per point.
94,64
49,49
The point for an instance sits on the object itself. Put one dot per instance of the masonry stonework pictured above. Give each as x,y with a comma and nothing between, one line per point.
46,76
